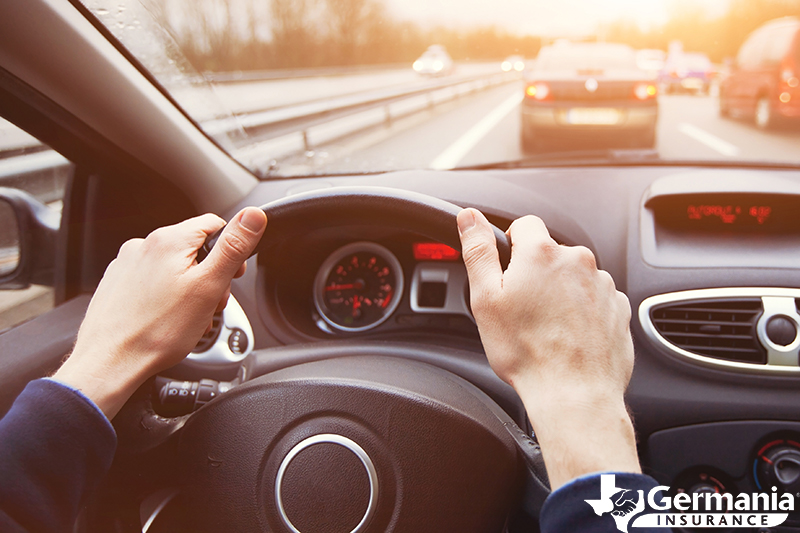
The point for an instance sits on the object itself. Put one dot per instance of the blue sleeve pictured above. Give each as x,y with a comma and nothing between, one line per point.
55,448
597,503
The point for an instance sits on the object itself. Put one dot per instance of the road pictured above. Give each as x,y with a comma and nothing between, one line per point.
471,130
485,128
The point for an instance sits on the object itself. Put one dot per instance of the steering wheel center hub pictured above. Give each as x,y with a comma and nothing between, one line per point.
327,482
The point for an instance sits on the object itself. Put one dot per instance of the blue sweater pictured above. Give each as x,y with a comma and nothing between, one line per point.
56,446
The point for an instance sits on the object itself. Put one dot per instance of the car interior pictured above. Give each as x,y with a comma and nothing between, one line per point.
433,440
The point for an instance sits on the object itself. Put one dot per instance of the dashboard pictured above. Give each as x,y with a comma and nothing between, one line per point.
355,282
708,258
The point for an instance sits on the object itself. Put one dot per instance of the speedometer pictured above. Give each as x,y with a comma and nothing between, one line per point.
358,286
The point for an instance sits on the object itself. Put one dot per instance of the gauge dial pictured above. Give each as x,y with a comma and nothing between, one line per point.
358,286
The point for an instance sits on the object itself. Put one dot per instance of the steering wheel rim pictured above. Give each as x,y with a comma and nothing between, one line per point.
430,217
385,206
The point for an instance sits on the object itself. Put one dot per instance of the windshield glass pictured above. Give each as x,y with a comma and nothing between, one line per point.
304,87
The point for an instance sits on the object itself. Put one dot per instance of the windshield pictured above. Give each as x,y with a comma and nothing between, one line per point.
305,87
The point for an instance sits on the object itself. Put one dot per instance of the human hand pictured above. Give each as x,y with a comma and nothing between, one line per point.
154,303
556,329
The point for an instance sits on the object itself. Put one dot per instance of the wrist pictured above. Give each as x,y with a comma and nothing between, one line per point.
108,387
582,434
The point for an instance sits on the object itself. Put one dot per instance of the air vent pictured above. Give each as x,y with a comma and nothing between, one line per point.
208,340
719,328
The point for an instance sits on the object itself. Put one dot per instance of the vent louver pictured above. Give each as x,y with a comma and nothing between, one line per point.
719,328
208,339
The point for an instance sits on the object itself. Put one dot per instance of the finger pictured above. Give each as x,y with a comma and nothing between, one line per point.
130,248
241,271
188,235
479,250
581,257
223,302
530,238
234,246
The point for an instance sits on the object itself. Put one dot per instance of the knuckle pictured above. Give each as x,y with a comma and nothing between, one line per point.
606,279
525,226
211,218
585,258
129,247
527,220
157,238
548,250
475,250
234,246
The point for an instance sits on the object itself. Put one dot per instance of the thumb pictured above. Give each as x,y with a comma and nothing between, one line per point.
479,249
237,242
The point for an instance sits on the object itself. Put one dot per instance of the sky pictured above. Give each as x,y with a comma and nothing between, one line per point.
542,17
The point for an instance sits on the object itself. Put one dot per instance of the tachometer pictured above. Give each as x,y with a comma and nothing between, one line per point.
358,286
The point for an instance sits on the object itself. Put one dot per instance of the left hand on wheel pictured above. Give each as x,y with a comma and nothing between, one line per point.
154,303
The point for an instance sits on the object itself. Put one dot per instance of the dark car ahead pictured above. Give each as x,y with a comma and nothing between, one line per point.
588,93
764,83
687,72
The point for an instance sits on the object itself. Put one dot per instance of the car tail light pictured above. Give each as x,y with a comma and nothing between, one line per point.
788,76
537,91
645,91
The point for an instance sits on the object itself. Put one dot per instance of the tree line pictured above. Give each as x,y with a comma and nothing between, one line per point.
230,35
221,35
718,36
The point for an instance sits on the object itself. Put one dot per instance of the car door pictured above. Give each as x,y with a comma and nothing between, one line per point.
38,315
132,161
742,84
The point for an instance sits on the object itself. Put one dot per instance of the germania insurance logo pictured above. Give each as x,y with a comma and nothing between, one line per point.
708,510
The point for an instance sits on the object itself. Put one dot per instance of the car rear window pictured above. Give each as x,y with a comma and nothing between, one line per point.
697,62
587,58
779,43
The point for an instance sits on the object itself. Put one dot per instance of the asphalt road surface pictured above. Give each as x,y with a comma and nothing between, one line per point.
485,128
473,130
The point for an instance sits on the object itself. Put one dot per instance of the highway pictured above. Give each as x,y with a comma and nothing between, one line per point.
478,128
484,129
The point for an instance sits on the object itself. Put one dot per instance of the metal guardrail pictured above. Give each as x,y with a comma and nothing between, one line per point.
276,121
296,128
294,73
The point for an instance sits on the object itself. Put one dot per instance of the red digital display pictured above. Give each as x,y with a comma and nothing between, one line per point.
434,251
730,214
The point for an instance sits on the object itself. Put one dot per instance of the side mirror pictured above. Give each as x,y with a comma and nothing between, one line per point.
28,230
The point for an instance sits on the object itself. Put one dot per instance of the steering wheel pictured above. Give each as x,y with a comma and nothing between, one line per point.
345,440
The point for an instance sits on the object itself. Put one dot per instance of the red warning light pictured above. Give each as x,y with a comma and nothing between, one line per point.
434,251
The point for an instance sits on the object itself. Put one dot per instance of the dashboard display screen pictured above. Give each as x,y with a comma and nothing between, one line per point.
767,213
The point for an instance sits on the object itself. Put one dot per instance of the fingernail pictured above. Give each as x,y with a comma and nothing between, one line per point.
252,219
466,220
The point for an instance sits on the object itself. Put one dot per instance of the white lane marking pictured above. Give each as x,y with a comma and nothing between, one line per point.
712,141
456,151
